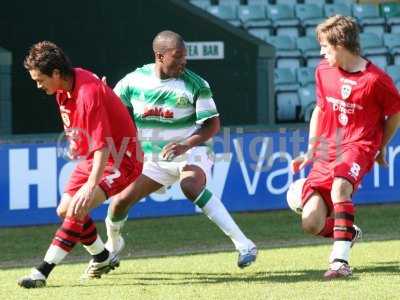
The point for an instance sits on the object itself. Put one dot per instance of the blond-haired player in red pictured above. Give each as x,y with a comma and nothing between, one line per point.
357,113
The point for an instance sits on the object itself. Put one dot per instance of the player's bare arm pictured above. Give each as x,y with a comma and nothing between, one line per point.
391,125
302,160
83,199
208,129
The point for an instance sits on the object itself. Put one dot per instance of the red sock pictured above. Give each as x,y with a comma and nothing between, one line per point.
344,220
68,234
89,233
327,231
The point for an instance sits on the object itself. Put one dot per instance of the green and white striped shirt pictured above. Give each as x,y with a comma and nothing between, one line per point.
165,110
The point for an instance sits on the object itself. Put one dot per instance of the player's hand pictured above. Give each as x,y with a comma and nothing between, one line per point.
83,199
172,150
381,157
300,162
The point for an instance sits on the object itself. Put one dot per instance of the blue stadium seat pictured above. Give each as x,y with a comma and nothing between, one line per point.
287,54
316,2
283,19
253,16
229,2
373,48
201,3
225,12
258,2
261,33
310,16
347,2
285,80
307,101
305,75
391,11
310,49
369,18
392,42
287,106
394,72
290,3
337,9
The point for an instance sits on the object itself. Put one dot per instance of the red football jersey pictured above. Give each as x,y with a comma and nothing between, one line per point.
94,117
354,106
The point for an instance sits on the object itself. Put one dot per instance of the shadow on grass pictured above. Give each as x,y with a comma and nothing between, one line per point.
201,278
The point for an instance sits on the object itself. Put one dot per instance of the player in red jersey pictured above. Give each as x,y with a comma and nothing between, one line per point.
100,133
357,113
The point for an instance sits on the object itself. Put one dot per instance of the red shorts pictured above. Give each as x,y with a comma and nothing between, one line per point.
352,165
113,180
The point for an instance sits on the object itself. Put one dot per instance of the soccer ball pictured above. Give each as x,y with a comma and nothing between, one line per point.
293,195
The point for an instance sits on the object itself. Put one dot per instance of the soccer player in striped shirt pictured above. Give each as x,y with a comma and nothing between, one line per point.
176,117
357,113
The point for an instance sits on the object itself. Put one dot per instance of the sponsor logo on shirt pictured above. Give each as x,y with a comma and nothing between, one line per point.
157,112
355,170
182,100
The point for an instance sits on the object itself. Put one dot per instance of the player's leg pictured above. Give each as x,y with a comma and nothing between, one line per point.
315,219
343,233
120,205
193,182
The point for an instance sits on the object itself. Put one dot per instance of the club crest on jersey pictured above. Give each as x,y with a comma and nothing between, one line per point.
182,100
343,119
345,91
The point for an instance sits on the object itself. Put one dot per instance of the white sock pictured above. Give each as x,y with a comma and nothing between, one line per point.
55,255
216,212
114,232
96,247
341,250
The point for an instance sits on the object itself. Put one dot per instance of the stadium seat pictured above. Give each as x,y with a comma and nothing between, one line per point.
310,50
225,12
258,2
287,54
316,2
394,72
201,3
392,42
337,9
285,80
290,3
369,18
283,19
229,2
253,16
287,106
391,11
307,102
305,75
373,48
347,2
261,33
310,15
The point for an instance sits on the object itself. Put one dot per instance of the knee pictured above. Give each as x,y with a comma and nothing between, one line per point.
312,225
341,189
62,211
121,203
190,188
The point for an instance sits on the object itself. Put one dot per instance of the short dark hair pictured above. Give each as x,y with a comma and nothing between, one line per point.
46,56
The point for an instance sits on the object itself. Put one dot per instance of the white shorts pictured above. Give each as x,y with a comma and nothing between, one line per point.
168,172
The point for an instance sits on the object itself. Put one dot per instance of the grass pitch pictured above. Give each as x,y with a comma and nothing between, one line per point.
189,258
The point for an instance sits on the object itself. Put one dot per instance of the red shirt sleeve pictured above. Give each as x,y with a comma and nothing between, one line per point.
318,93
97,122
387,95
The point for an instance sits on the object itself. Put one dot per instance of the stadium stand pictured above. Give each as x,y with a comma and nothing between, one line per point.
287,100
225,12
283,20
368,16
261,33
204,4
305,75
253,16
310,50
337,9
307,102
310,15
394,72
391,12
287,53
392,42
373,48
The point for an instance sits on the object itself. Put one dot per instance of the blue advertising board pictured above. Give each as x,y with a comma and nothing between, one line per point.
251,173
